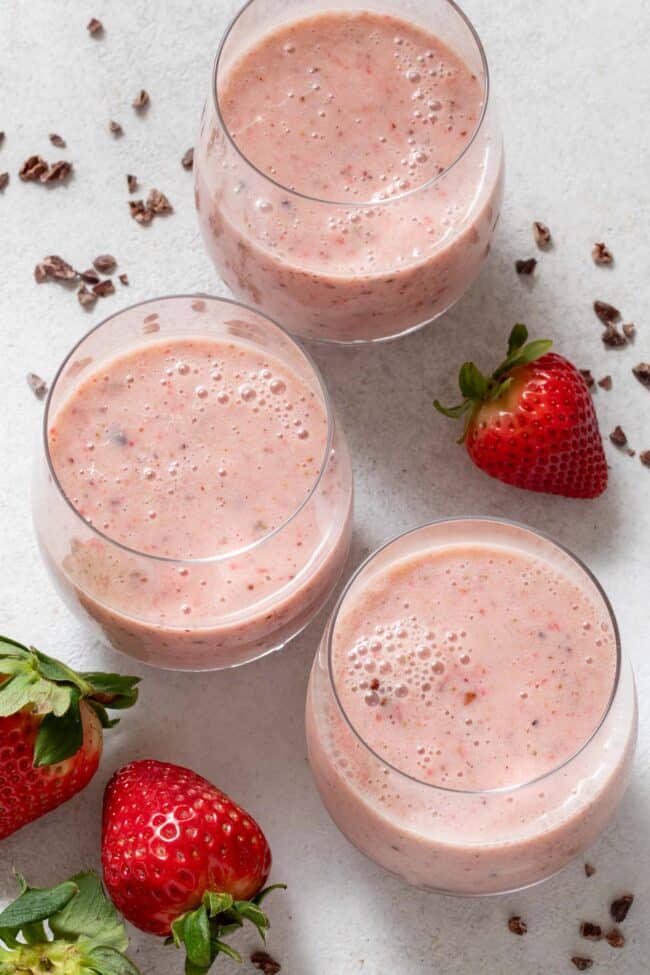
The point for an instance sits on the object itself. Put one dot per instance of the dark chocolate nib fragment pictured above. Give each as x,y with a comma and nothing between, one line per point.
187,161
105,263
593,932
542,234
607,313
32,169
37,385
620,907
601,254
517,925
617,436
642,373
526,266
263,961
588,378
612,338
141,100
94,26
582,964
615,938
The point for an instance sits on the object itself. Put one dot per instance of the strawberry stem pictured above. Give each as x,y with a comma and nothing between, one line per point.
30,679
87,933
201,931
478,388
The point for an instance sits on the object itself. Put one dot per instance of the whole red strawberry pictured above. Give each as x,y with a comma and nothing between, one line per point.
181,859
532,423
51,721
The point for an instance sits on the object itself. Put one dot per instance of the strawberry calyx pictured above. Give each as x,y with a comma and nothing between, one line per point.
202,930
478,388
32,680
86,934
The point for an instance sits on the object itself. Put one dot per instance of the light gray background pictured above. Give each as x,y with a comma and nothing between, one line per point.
573,86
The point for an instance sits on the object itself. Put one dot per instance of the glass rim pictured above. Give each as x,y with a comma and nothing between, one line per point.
500,790
427,184
209,559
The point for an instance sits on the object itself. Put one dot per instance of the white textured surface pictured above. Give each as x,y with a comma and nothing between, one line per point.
574,90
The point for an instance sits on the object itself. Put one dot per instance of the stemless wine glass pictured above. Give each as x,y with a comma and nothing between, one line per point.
468,841
406,258
137,601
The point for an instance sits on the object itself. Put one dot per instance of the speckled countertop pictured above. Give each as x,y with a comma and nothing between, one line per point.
574,89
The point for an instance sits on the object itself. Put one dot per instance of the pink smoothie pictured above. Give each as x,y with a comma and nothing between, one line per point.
198,449
470,668
362,109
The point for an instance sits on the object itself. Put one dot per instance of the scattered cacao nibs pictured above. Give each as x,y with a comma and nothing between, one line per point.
32,169
617,436
94,26
607,313
629,330
374,684
158,202
58,172
263,961
90,276
605,382
37,385
516,925
526,266
601,254
612,338
588,378
469,697
54,268
642,373
104,288
57,140
590,870
582,964
131,182
139,212
105,263
593,932
85,297
541,234
620,907
115,128
4,181
141,100
124,279
187,162
615,938
644,457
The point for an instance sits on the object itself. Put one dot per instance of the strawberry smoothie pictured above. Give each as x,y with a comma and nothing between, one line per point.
465,675
215,507
351,179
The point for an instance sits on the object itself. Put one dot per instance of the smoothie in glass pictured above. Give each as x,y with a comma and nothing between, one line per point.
205,505
348,172
469,723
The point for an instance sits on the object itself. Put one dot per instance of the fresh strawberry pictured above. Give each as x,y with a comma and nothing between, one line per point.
182,860
86,935
51,721
532,423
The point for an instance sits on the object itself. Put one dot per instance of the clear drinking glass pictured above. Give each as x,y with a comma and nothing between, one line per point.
429,242
451,840
134,600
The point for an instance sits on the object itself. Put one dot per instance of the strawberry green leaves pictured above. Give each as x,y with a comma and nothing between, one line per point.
478,388
201,931
87,933
46,686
